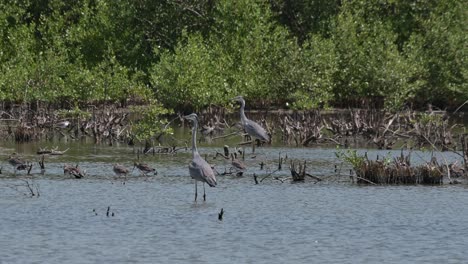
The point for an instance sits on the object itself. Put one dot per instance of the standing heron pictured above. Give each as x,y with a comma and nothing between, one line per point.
199,169
252,128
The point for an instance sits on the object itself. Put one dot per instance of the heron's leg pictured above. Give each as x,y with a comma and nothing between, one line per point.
204,194
195,190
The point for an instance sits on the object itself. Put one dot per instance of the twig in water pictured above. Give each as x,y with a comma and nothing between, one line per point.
225,136
220,215
268,175
366,180
41,163
280,161
313,177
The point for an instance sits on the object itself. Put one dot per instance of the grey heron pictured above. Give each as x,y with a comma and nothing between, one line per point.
199,169
252,128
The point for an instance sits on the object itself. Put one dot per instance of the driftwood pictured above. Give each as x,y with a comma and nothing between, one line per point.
53,151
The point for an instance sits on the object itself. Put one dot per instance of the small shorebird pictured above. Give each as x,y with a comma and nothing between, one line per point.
120,170
239,165
73,171
144,168
17,163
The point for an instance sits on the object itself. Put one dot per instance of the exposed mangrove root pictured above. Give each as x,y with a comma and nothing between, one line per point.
28,122
398,171
298,172
464,143
381,128
42,165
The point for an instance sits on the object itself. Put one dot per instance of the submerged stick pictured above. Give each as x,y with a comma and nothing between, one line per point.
220,215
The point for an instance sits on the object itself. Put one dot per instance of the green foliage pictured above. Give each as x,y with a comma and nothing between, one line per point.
73,113
426,118
306,17
442,47
370,64
191,54
188,78
247,53
149,121
350,156
315,74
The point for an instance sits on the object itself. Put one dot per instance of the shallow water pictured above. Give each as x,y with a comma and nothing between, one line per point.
156,221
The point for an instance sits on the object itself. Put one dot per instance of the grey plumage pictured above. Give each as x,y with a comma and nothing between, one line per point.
251,127
199,169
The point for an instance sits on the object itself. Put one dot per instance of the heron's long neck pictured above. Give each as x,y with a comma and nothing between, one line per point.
194,138
242,114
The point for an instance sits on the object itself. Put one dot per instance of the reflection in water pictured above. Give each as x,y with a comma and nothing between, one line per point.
156,221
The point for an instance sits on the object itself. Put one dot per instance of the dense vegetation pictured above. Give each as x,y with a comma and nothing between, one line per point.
190,54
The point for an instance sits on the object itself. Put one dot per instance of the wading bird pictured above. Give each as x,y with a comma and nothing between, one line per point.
199,169
252,128
120,170
17,163
73,171
144,168
239,165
